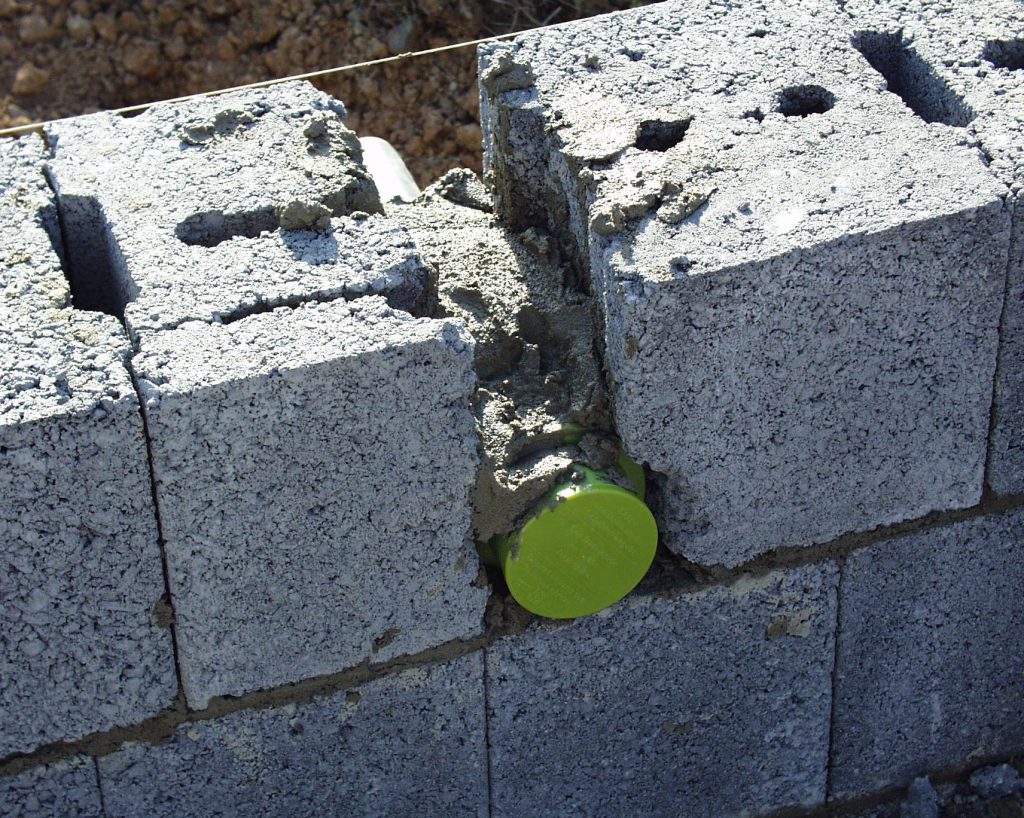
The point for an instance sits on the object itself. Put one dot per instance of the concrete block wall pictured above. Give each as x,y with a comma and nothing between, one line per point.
290,448
238,467
390,747
67,788
800,323
931,653
971,58
82,584
630,712
278,567
781,230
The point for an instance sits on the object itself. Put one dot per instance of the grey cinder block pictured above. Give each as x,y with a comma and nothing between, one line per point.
411,744
297,511
313,468
964,61
219,207
930,670
64,789
31,277
80,648
710,704
800,281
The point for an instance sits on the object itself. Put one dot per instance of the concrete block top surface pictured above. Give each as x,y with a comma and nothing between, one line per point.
269,344
30,272
236,153
217,207
970,52
350,258
53,359
720,134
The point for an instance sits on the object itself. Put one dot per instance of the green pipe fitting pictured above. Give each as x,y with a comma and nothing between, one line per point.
583,548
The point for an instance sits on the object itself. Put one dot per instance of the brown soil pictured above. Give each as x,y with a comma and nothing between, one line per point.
60,59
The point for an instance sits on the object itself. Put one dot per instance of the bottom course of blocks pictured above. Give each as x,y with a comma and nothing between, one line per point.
710,704
65,789
387,747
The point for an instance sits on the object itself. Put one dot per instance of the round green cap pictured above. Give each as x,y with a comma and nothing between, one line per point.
589,547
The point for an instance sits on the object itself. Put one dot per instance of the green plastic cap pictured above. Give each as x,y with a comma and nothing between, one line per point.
589,547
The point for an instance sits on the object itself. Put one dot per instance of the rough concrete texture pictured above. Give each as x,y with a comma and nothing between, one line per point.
411,744
710,704
930,670
66,789
313,468
31,277
535,346
998,781
964,62
801,282
219,207
78,535
922,799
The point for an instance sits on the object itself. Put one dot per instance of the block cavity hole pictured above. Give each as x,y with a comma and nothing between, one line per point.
214,227
1007,54
661,134
88,254
804,100
912,79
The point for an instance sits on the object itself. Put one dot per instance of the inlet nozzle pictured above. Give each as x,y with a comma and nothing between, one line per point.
582,549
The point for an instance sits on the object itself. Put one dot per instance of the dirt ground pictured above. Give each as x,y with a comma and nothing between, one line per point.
60,58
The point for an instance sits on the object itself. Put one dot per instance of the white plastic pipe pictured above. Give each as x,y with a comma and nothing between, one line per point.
388,170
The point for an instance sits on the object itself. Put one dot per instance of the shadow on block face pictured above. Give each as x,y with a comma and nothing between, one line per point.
1007,54
214,227
912,79
89,260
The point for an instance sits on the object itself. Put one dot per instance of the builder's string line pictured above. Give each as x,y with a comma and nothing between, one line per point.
323,72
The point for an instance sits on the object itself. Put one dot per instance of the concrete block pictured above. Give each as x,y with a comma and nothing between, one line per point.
65,789
79,537
31,277
313,468
800,281
711,704
78,533
220,207
963,64
930,668
213,211
411,744
1006,455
